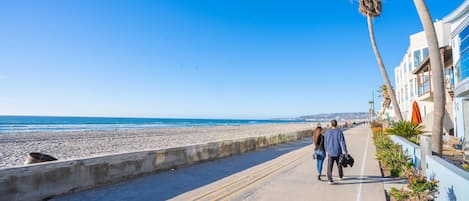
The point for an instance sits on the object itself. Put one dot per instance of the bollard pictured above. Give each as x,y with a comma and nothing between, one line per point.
425,150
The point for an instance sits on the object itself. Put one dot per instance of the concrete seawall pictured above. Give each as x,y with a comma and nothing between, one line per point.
41,181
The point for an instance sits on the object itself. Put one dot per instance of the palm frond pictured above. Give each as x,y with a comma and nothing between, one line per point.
370,8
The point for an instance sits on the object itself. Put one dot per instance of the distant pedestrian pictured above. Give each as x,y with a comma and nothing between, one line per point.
319,152
335,145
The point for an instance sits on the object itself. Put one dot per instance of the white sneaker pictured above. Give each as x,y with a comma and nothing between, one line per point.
330,182
340,178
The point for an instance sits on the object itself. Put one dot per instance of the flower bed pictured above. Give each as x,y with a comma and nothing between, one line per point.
393,158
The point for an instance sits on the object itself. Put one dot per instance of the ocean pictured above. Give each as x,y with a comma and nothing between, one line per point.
16,124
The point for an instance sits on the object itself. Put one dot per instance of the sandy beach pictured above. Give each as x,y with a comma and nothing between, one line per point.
84,144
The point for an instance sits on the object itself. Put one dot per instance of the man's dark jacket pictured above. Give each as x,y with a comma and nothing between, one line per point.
345,160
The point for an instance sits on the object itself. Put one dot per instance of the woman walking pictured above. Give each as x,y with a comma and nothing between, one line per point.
319,150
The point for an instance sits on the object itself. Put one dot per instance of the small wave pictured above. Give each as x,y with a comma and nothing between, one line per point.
61,124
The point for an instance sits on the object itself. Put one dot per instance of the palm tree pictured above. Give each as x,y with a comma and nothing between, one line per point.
371,9
437,75
383,92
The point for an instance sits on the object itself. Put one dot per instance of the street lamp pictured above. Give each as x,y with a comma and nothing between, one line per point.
372,105
372,110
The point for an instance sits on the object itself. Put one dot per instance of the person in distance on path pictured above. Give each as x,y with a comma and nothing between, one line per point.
335,145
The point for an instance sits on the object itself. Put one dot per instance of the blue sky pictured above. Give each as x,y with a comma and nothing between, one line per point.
197,58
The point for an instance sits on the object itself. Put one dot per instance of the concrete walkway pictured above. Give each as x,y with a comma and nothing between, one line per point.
284,172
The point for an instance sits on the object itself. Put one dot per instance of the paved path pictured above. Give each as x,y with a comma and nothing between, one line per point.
284,172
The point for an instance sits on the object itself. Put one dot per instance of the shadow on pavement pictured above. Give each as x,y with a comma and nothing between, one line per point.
351,180
166,185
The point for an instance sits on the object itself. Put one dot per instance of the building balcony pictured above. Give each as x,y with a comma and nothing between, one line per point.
424,76
425,92
426,97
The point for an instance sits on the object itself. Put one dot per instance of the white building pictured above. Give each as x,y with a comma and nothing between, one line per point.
459,38
413,75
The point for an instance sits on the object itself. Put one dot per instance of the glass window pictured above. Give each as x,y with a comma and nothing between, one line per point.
464,57
417,58
464,65
425,52
449,75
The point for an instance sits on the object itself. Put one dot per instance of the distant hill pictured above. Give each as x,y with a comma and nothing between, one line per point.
338,116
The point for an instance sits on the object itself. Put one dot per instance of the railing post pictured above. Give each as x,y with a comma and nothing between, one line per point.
425,150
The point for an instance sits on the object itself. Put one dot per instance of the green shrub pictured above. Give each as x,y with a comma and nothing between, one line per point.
408,171
466,166
423,189
394,158
391,155
406,129
419,188
399,195
383,144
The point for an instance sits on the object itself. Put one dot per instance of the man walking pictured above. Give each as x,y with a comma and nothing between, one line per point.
334,142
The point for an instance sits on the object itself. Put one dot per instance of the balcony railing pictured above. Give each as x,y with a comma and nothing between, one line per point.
449,85
424,88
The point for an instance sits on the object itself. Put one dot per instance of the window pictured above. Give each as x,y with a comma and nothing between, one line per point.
464,51
464,65
417,58
426,84
425,52
449,76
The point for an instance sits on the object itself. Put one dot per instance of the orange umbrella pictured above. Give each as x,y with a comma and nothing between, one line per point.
416,117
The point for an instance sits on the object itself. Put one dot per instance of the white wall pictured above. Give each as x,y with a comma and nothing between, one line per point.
456,19
406,81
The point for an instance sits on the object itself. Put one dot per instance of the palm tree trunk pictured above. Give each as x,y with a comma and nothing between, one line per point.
397,110
437,75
